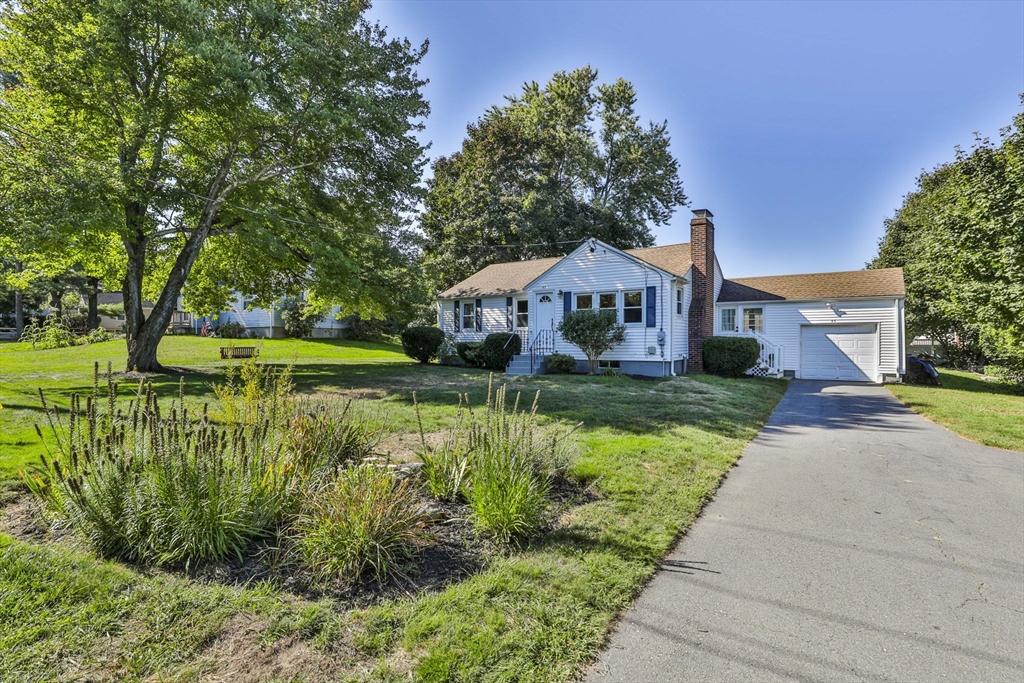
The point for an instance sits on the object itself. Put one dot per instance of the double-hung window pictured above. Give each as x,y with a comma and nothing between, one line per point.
679,301
468,315
584,301
728,320
632,307
753,319
522,313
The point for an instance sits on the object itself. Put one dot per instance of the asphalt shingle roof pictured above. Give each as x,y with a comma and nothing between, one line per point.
841,285
508,278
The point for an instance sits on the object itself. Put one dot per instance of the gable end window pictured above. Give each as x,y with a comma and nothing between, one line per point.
584,301
608,301
632,307
728,320
468,315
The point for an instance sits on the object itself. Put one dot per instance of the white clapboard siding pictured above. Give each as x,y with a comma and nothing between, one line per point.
718,279
606,271
494,318
681,325
782,321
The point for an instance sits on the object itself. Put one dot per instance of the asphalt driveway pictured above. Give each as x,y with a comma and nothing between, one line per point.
855,540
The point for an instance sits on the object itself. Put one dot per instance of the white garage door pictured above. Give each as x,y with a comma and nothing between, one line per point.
843,352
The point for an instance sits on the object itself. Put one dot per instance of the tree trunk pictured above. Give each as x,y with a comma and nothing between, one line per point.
93,320
144,334
55,302
19,307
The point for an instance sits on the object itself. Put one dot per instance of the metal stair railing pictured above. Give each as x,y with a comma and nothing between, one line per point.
542,345
523,340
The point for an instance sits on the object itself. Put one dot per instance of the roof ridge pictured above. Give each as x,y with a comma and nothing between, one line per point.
826,272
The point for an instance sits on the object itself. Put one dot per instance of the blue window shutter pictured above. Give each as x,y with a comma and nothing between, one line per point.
566,302
458,316
508,313
479,315
652,306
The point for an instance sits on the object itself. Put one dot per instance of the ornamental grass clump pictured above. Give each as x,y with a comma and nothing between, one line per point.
502,465
365,523
323,435
147,486
445,466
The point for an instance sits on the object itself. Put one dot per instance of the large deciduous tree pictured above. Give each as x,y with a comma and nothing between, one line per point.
265,147
960,240
555,164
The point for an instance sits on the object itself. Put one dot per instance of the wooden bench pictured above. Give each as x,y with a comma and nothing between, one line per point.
239,352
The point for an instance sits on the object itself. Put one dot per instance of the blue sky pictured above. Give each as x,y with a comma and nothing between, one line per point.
800,125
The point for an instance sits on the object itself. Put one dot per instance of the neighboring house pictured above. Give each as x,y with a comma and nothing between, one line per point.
258,322
824,326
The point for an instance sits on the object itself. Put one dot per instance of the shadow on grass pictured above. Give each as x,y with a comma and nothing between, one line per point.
975,384
633,406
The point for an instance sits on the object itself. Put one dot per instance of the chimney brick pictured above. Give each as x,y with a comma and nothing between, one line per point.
702,286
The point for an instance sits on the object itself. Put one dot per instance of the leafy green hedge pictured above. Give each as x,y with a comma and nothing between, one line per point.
492,353
561,363
422,343
730,356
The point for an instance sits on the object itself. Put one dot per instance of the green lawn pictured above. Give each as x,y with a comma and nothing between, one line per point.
654,450
991,413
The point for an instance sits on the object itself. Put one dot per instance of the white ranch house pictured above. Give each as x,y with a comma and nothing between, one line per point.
834,326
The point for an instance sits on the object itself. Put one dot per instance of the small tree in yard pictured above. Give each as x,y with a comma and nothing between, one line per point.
299,317
594,332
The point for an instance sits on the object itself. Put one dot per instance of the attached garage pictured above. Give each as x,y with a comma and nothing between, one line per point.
839,352
844,327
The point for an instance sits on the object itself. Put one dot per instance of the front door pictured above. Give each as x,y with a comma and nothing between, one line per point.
545,315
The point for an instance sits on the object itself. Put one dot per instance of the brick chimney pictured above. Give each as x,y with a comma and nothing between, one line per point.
702,286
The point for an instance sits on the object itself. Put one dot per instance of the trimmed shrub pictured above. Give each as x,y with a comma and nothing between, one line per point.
231,330
468,352
367,522
730,356
497,350
422,343
561,363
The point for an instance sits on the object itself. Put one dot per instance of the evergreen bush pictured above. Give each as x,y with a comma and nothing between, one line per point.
730,356
561,363
422,343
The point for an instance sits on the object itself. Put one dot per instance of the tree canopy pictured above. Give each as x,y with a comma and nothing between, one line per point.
554,165
960,240
202,148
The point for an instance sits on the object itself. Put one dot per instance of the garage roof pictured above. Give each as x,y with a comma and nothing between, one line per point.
843,285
